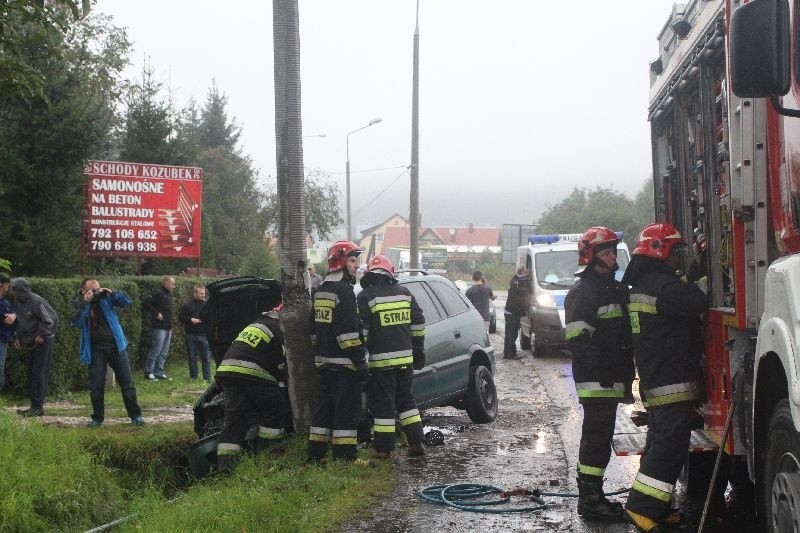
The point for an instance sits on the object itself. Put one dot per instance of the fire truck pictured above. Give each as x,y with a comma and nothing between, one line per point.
725,90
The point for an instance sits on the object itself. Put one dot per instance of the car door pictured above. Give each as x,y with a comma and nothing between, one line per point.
438,344
464,327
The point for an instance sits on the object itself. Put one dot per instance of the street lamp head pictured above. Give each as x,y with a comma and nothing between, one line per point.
375,121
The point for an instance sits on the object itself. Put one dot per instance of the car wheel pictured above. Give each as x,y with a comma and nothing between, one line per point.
481,400
493,324
780,490
524,341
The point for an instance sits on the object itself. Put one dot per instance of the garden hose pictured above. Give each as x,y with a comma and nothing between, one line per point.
481,498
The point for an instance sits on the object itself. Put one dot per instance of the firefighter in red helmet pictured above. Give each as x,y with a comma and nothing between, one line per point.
664,310
393,327
599,339
340,358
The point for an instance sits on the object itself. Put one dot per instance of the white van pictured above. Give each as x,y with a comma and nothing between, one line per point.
552,261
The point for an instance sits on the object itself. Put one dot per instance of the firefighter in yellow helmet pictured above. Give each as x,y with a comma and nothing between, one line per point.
664,311
340,358
393,327
599,339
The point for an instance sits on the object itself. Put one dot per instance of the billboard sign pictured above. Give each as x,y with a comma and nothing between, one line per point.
515,235
142,210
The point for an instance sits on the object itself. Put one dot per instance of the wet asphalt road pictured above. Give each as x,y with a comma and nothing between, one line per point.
533,443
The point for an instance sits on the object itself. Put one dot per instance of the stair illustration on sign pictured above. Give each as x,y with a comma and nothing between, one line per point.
175,226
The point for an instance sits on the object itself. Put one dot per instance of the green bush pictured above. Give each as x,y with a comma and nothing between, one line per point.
67,373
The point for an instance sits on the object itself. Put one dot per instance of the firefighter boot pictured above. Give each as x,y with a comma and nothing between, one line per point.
416,449
225,464
643,523
374,453
592,502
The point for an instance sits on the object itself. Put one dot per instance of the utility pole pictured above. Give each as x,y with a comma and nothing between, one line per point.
414,200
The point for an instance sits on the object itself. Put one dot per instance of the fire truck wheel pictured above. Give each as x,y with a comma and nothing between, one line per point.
781,487
524,341
481,399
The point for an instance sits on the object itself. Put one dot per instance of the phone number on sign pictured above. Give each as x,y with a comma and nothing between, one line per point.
122,246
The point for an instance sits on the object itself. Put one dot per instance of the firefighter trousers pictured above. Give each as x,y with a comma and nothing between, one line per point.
668,434
597,433
250,402
336,415
391,395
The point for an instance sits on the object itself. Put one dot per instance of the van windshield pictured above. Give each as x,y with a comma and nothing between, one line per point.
556,269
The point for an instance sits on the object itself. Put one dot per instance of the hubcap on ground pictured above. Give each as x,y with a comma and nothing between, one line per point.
786,495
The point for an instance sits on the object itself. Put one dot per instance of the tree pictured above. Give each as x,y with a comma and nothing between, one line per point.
291,210
322,205
44,141
585,208
18,19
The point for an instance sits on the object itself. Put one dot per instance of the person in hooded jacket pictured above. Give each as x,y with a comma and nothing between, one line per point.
340,358
664,312
393,328
599,339
36,329
103,344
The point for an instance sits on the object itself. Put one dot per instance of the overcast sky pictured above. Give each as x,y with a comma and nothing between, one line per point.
520,100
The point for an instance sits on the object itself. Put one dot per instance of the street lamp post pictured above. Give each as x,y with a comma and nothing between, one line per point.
347,172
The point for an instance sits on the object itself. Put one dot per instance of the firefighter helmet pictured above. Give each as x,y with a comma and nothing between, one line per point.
657,240
592,239
339,252
380,264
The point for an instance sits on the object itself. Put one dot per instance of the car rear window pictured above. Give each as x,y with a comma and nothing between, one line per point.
424,300
450,297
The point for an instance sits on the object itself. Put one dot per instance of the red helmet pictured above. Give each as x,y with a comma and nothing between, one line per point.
339,252
592,239
658,240
381,262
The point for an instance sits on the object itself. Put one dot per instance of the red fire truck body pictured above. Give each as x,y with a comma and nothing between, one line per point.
726,167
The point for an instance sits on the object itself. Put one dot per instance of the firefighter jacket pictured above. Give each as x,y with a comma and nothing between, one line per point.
256,353
599,337
337,338
392,324
665,313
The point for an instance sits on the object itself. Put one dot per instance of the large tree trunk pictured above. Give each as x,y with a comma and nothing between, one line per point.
295,317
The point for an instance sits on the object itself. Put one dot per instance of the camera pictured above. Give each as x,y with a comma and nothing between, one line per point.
98,293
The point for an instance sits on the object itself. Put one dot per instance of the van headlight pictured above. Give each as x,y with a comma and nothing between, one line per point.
545,299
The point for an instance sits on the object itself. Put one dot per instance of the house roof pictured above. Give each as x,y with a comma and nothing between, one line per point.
447,236
376,226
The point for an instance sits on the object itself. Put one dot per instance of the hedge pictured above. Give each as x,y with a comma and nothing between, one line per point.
67,373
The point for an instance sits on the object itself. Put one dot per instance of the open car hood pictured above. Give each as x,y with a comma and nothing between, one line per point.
233,304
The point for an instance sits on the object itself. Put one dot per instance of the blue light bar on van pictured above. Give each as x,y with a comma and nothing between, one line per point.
550,239
561,237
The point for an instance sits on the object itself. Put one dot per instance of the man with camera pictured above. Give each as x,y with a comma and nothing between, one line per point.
104,344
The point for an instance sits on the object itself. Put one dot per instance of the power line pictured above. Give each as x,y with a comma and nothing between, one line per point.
405,169
370,170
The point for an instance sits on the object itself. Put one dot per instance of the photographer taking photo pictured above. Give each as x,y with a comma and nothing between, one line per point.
104,344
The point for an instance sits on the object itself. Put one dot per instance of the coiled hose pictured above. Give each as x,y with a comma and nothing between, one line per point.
477,498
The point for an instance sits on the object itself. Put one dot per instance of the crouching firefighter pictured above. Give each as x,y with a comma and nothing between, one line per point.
340,358
393,328
599,338
664,312
250,375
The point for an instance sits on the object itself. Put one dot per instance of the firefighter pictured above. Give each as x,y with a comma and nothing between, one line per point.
663,310
393,328
340,358
250,375
599,339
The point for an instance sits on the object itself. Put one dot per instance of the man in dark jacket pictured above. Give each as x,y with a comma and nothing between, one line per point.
103,344
196,340
340,358
393,327
8,319
249,375
36,328
159,306
516,307
599,339
664,313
